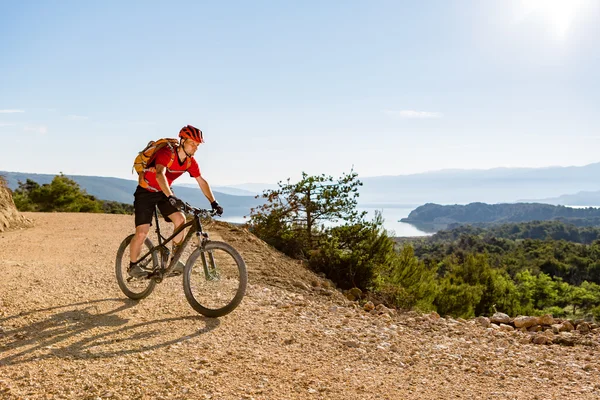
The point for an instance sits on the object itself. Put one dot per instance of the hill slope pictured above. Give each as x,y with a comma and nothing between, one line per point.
10,218
66,331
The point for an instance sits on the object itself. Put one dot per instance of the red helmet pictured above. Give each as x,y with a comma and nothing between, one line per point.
190,132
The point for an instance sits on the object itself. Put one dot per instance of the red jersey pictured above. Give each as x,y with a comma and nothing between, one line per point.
174,171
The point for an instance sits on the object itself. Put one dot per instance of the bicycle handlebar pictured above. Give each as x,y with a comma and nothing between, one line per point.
186,207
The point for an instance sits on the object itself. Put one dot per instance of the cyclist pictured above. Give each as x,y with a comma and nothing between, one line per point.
155,189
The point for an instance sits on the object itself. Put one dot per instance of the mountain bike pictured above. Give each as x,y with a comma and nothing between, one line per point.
214,277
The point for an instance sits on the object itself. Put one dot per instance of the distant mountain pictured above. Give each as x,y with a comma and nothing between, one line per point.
221,189
499,185
121,190
582,199
474,213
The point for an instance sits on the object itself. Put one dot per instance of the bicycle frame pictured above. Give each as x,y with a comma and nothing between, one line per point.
165,252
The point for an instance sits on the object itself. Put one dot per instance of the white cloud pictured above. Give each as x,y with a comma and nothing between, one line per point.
414,114
11,111
4,124
76,117
41,129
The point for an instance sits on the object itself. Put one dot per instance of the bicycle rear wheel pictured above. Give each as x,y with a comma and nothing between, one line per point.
134,288
215,279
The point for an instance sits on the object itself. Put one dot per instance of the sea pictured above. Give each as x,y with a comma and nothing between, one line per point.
391,216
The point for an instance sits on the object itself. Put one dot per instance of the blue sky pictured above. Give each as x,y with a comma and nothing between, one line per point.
389,87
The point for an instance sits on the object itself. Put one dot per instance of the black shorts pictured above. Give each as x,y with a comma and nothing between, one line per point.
144,203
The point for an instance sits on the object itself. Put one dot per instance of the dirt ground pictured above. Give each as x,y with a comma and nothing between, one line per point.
67,332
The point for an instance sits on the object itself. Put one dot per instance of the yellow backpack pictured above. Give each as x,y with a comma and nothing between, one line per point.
146,156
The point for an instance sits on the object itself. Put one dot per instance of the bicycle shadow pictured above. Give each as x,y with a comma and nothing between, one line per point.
73,332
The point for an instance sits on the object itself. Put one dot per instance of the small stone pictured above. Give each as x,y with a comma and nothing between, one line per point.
556,328
566,327
369,306
526,339
300,285
386,317
524,321
500,318
483,321
541,339
583,327
434,316
351,343
546,319
565,339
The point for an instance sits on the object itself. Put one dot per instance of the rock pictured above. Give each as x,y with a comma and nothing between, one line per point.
356,292
300,285
524,321
369,306
565,339
500,318
535,328
526,339
328,284
548,333
506,328
583,327
541,339
483,321
381,309
566,327
546,319
556,328
434,316
351,343
386,317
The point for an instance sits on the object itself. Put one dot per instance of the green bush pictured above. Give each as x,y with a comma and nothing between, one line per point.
353,255
62,195
406,282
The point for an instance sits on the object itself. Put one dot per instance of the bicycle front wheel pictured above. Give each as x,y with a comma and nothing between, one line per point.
215,279
134,288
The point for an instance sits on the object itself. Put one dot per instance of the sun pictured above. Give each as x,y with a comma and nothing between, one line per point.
559,14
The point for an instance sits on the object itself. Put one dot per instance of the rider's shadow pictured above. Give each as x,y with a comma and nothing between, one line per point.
77,333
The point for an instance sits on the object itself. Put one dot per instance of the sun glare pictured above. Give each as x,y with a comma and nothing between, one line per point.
559,14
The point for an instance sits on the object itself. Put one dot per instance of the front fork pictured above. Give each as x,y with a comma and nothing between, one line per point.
209,265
